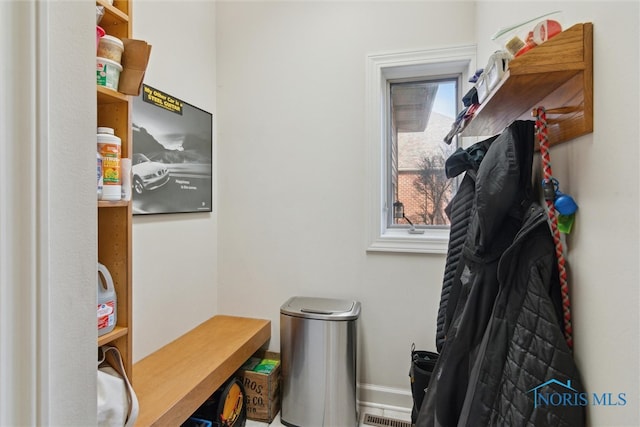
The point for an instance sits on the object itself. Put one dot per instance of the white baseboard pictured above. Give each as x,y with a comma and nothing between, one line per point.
375,396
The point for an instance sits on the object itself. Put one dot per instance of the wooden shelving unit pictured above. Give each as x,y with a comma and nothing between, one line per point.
117,18
115,218
556,74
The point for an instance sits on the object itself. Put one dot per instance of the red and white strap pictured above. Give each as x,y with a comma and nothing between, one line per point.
542,135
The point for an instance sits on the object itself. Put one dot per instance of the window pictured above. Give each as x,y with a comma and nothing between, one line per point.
412,101
419,119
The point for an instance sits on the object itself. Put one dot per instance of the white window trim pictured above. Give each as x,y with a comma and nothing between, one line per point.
381,68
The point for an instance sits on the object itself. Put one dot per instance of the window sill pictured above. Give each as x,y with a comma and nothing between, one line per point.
399,240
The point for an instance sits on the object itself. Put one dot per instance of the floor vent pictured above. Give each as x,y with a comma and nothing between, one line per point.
378,421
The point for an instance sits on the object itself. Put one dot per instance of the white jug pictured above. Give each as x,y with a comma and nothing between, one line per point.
107,301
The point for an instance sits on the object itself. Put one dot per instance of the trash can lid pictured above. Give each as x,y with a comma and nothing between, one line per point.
321,308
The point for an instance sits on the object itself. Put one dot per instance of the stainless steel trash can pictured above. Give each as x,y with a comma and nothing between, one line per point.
318,352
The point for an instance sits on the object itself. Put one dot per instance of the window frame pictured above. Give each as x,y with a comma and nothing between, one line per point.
381,69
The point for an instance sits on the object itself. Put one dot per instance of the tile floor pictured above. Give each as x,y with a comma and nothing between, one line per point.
406,416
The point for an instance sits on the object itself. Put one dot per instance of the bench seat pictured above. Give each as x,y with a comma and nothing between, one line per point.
172,382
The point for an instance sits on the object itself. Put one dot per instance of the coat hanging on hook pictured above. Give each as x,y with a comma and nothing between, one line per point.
507,308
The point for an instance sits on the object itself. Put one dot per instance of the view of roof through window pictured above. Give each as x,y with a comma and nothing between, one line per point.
422,113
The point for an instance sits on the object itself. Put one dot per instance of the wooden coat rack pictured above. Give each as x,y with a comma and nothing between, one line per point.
557,74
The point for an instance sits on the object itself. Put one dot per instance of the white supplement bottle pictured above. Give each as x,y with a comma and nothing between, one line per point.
109,147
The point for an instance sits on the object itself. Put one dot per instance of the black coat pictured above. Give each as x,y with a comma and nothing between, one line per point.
459,213
504,337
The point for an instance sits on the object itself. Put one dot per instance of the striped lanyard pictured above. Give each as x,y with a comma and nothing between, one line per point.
542,135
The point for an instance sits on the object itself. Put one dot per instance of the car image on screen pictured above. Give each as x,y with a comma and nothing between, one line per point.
147,175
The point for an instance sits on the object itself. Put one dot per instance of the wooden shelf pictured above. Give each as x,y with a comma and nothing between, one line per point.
558,73
114,204
110,96
118,332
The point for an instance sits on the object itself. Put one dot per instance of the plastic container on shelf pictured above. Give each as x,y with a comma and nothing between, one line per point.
109,147
126,178
481,88
524,36
108,73
99,14
99,34
495,69
111,48
107,301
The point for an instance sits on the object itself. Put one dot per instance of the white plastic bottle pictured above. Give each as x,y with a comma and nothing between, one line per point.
109,147
107,301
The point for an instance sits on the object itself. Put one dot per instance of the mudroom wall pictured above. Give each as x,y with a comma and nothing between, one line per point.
288,80
175,255
597,170
292,155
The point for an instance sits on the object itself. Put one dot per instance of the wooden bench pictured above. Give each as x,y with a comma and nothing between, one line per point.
174,381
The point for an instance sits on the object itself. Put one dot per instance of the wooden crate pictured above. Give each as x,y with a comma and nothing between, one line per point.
262,390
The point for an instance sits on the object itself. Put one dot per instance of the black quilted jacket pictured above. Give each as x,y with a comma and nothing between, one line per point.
504,334
459,213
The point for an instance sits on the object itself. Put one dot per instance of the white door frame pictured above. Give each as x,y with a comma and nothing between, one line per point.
48,241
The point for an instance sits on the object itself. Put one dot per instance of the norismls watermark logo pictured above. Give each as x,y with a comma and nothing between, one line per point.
558,393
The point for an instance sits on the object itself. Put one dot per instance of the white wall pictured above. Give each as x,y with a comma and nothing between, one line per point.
175,255
599,170
291,143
